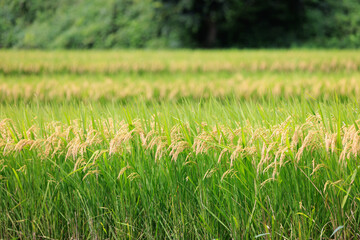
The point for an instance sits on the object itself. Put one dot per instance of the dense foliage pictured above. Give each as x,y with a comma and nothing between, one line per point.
184,23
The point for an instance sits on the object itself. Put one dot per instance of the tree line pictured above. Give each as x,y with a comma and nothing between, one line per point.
179,23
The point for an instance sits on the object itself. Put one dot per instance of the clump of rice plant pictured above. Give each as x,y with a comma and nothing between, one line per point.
264,144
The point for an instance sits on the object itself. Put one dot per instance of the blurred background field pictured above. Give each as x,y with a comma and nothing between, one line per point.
175,75
111,62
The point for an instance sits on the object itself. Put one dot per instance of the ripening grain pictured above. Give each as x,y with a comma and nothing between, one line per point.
110,62
266,144
179,145
60,89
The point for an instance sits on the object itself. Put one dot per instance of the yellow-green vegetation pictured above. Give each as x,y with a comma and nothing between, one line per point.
176,87
110,62
179,145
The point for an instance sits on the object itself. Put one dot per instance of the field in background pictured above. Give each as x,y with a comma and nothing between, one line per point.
179,144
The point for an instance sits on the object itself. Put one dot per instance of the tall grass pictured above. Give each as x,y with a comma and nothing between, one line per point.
176,87
133,193
264,166
109,62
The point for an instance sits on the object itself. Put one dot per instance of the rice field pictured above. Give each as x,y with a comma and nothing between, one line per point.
179,144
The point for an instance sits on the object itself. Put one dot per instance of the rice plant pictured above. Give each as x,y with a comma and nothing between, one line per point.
180,149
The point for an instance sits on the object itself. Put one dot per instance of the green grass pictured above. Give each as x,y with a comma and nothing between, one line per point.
94,61
175,87
132,194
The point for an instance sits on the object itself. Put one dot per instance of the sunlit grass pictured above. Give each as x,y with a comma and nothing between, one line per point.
265,166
